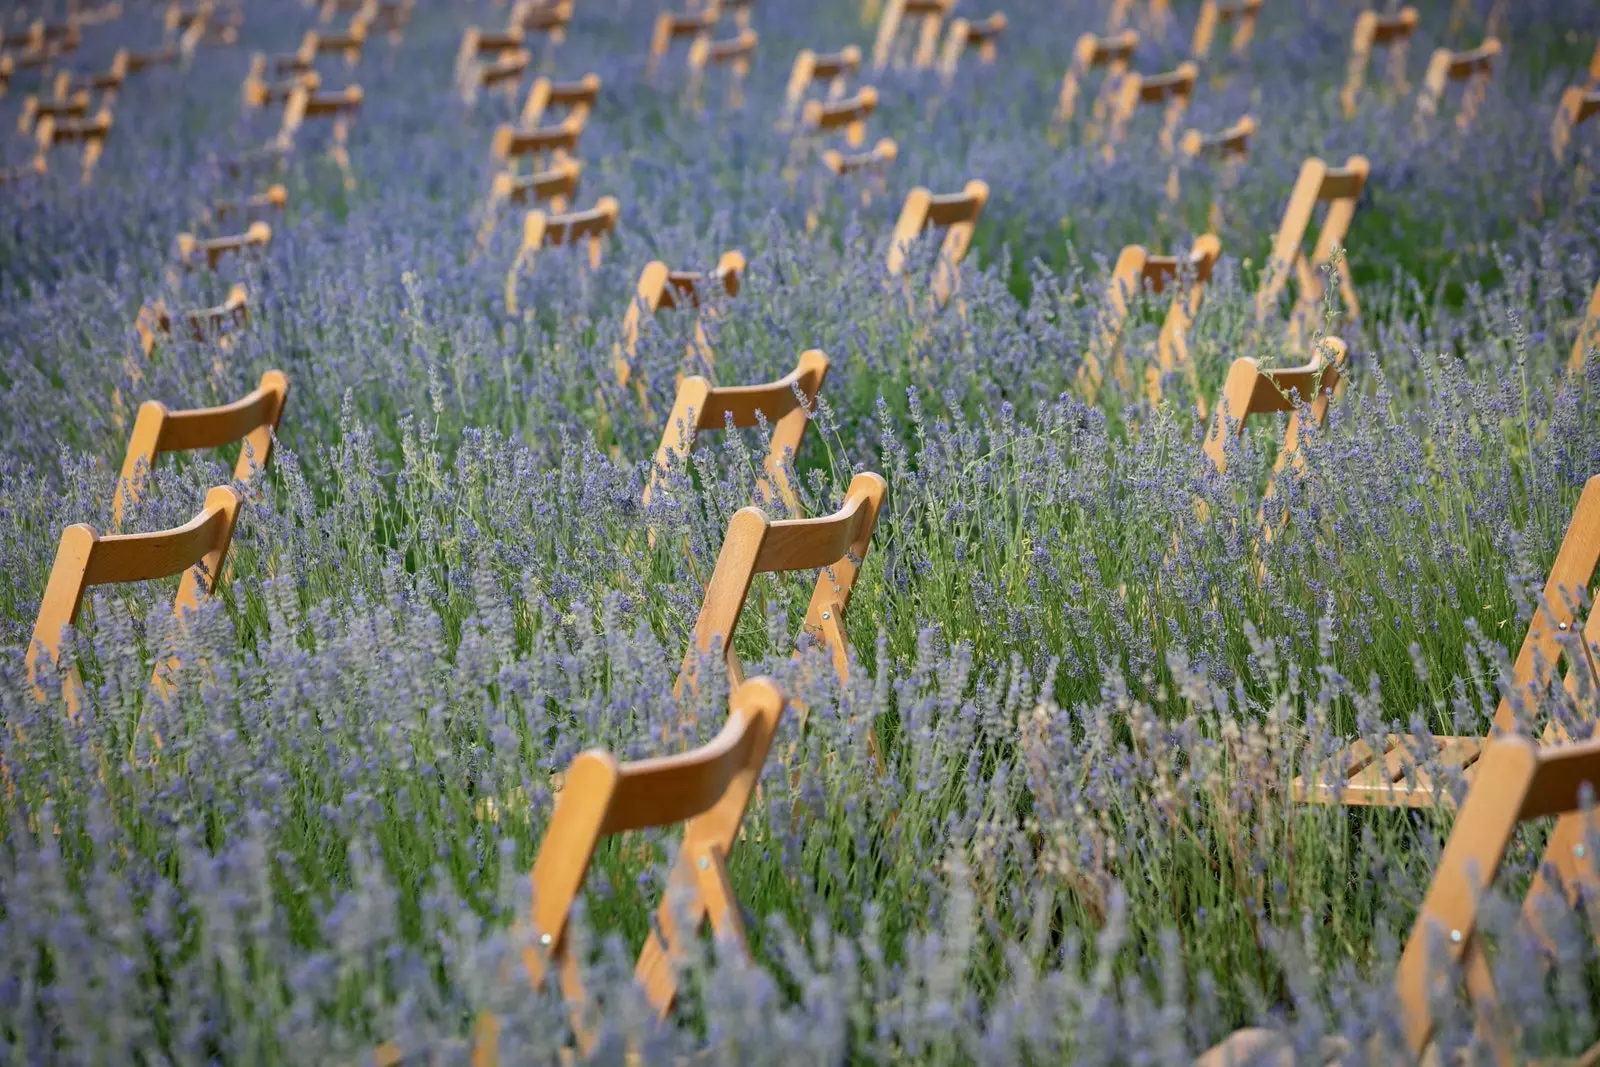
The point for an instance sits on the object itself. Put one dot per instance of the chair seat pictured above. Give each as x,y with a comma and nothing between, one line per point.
1397,776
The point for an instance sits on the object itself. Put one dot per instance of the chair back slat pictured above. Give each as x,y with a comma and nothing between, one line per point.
1339,188
1372,30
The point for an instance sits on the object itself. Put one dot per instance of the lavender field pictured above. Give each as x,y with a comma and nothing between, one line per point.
1049,817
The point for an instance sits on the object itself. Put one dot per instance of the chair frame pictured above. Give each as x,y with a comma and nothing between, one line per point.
1173,90
546,145
1239,14
539,229
811,67
927,19
1340,188
965,34
1251,389
671,27
156,321
1114,52
91,133
1372,30
1229,150
957,214
735,54
575,98
663,289
553,188
1588,334
849,114
1474,66
190,248
1578,105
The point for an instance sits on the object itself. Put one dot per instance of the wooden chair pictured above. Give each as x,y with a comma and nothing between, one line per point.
341,108
553,188
1588,334
139,62
273,200
1578,105
249,421
1172,91
574,99
872,165
538,230
733,55
260,93
108,83
1475,67
663,289
1252,390
8,67
957,214
1461,16
1372,30
834,544
351,43
477,43
1398,776
670,28
1153,18
1227,151
63,106
155,321
1517,782
543,146
708,789
196,550
543,17
392,17
849,115
192,249
925,20
834,69
504,73
1339,188
1091,53
1139,272
90,134
1240,14
965,34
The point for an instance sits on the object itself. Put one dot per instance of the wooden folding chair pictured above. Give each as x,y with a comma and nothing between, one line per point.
139,62
90,134
260,93
504,74
836,545
548,18
1227,151
670,28
957,214
1395,777
8,67
57,106
108,83
1475,67
553,188
191,249
1461,15
924,19
249,421
272,200
1091,53
1172,91
477,43
196,550
1251,389
350,43
873,165
733,55
708,789
663,289
538,230
155,321
965,34
574,99
1239,14
849,115
1372,30
1594,68
1517,782
543,146
1578,105
1588,334
392,17
1139,272
341,108
1153,18
834,69
1339,188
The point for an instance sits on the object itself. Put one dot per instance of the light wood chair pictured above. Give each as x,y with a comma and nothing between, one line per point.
139,62
1461,16
351,42
834,544
543,17
541,146
592,227
1588,334
273,200
109,82
1154,15
1112,54
709,790
89,134
155,321
663,289
504,73
61,106
1171,91
192,249
1227,152
249,421
671,28
8,67
1340,188
965,34
1372,29
553,189
833,69
392,17
1578,105
1397,776
902,20
1239,14
1138,272
340,108
1516,782
733,55
849,115
957,214
872,166
1475,67
573,99
260,93
478,44
1251,389
785,405
196,550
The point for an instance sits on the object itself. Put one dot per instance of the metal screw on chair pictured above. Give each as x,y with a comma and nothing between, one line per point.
825,615
1455,936
544,939
705,863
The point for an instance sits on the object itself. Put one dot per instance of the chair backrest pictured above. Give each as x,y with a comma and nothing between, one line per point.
591,226
1240,14
1578,105
1139,272
1474,66
504,73
833,68
671,27
834,544
155,321
575,98
554,188
1094,52
272,199
1227,150
957,214
1338,187
250,420
196,549
258,92
1372,30
1588,334
663,289
1172,91
543,17
785,405
849,114
90,133
139,62
1251,390
734,54
877,158
542,144
965,34
476,42
924,17
191,249
1155,16
36,106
